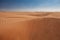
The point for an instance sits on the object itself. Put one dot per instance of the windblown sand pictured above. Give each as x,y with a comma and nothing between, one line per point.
29,26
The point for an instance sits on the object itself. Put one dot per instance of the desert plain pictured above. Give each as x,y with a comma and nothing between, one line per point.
29,25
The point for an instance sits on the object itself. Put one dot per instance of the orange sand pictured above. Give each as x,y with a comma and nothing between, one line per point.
29,26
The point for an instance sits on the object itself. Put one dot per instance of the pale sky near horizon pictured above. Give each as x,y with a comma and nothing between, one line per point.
30,5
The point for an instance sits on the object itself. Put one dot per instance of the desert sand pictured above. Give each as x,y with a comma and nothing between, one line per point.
29,26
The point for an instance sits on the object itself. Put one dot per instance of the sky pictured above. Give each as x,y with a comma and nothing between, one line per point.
30,5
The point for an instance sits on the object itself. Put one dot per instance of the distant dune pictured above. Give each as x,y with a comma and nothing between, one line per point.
29,26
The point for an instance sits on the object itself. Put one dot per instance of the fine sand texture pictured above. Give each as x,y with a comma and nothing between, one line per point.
29,26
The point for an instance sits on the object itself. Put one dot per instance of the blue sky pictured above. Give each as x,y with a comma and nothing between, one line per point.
30,5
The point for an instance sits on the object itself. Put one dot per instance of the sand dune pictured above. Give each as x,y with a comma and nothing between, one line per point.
29,26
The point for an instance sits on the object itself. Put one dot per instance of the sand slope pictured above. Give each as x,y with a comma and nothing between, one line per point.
29,26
